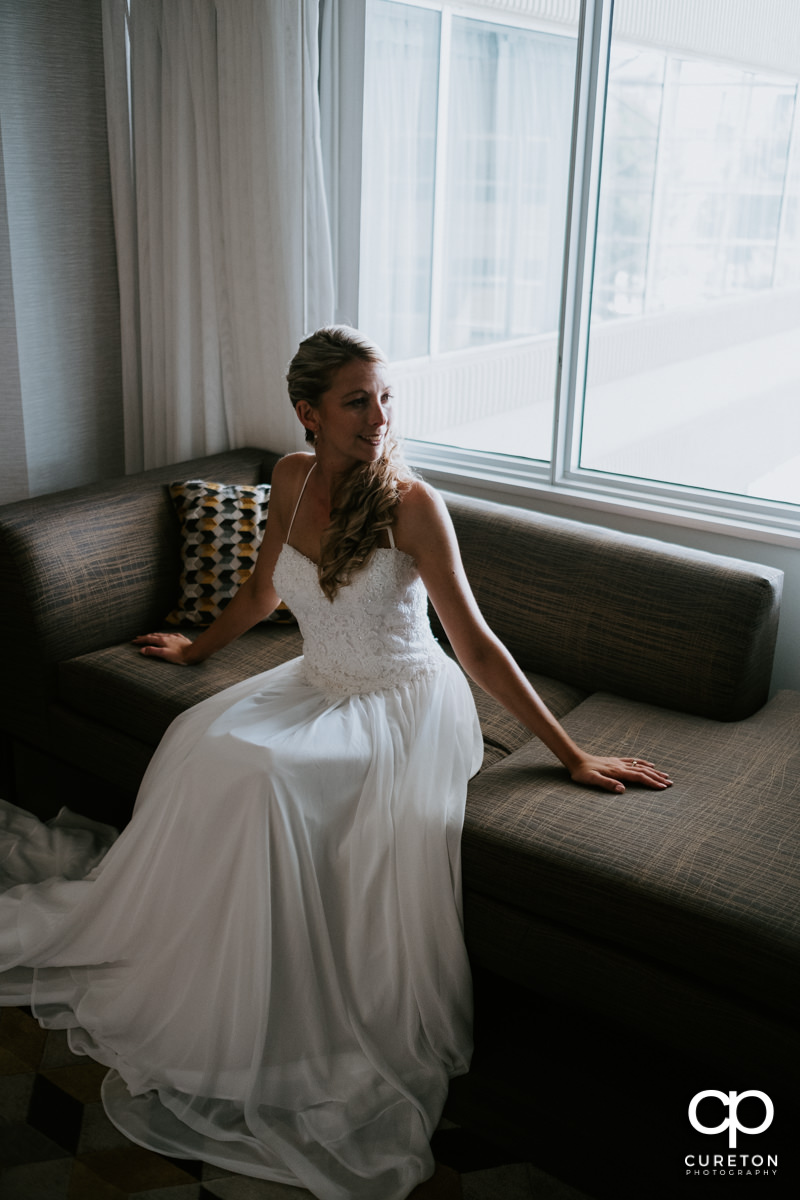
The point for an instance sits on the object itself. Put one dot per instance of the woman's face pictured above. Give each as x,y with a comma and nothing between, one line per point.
352,417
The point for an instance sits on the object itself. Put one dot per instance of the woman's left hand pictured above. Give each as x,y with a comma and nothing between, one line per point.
609,773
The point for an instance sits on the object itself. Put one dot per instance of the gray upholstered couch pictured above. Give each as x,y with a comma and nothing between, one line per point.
676,913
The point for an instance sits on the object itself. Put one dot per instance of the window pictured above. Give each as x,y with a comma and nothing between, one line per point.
466,168
694,364
630,324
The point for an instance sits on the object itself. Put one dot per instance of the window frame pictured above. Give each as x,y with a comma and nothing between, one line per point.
529,482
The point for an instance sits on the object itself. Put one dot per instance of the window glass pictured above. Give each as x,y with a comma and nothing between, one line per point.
510,107
633,119
399,153
466,163
693,370
787,264
693,374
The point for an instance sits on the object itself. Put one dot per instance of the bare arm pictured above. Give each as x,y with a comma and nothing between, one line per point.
255,599
425,531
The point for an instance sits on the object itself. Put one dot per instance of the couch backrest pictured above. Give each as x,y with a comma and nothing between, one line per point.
612,612
596,609
92,566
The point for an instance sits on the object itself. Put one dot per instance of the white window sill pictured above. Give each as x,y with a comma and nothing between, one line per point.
504,479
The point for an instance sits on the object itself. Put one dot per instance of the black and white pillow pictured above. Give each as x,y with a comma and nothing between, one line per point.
222,526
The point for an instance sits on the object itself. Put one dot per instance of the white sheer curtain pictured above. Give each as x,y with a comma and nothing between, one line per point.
221,222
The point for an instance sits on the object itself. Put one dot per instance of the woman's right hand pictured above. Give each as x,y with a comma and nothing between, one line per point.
172,647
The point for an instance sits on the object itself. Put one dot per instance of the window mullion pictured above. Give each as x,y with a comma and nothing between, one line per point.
591,73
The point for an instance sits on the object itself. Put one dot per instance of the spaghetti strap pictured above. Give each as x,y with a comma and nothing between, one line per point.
299,498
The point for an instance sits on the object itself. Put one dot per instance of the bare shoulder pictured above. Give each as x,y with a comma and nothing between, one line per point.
422,519
420,500
291,470
287,479
292,466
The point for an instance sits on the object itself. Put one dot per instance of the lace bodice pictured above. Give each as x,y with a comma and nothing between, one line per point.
374,634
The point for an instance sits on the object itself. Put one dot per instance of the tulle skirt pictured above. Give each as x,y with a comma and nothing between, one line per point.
270,958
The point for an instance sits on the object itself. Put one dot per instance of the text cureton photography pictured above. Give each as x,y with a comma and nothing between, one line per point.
734,1118
731,1164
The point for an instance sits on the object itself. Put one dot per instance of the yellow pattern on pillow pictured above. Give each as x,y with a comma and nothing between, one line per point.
221,526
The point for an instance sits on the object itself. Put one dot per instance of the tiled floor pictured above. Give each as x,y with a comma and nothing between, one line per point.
57,1144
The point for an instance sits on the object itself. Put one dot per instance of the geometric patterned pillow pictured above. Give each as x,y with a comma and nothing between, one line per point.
222,526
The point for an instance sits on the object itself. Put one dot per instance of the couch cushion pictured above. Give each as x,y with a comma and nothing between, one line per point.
702,876
140,696
502,733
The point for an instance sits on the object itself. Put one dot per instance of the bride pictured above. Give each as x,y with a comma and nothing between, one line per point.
270,958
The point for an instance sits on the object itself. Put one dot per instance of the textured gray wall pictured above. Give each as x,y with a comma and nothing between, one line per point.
60,381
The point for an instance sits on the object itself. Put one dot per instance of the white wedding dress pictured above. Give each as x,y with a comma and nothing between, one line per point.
270,957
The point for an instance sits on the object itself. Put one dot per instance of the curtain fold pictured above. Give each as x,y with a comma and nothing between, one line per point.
222,227
121,168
